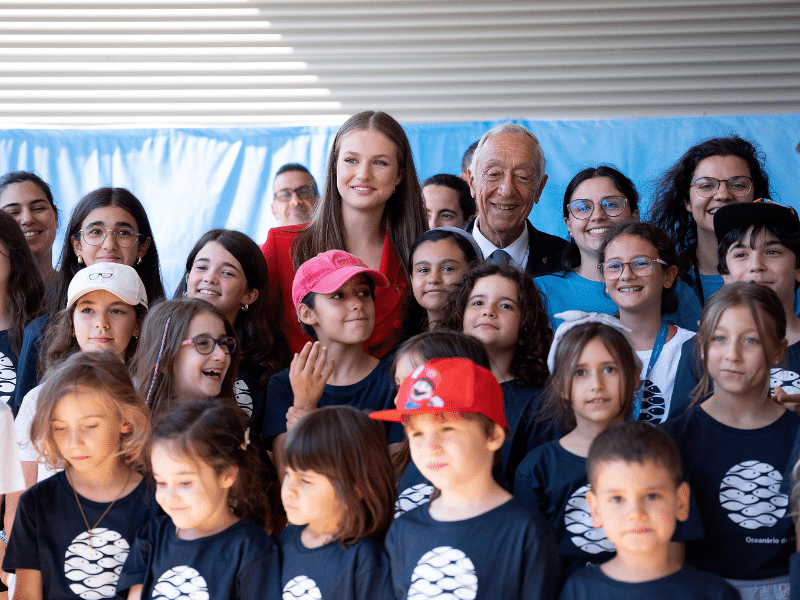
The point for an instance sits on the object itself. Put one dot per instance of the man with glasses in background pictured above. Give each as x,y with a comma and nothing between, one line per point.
294,194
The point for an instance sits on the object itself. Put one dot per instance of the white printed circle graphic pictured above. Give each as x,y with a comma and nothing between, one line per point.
412,497
93,562
653,405
750,492
8,378
788,380
301,588
444,573
181,583
578,521
243,397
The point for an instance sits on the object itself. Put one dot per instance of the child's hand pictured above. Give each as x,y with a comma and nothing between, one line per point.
790,401
308,374
293,415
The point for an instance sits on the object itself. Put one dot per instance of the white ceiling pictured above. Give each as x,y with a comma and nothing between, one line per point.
171,63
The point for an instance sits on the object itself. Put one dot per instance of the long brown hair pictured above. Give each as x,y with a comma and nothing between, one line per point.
404,215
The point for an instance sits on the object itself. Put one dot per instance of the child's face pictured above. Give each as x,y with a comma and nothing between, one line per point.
86,433
347,316
597,386
217,277
193,495
637,504
109,250
637,292
493,313
201,375
769,263
103,322
451,451
405,366
310,499
735,355
437,268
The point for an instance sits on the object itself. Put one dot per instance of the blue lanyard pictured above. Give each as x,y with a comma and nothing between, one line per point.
661,339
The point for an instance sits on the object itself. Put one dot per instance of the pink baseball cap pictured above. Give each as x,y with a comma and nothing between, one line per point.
448,385
328,271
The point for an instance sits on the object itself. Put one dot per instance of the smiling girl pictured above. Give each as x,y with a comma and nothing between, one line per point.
637,263
188,350
371,207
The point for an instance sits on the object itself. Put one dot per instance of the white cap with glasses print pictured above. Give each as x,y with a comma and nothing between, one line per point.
121,280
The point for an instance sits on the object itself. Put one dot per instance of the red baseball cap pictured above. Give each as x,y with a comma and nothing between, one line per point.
448,385
328,271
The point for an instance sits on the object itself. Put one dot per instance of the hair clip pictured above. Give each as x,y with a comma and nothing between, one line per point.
158,360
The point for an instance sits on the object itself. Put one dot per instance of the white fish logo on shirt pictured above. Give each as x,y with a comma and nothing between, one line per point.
653,404
93,562
301,588
181,583
444,572
412,497
243,397
8,378
750,492
578,521
788,380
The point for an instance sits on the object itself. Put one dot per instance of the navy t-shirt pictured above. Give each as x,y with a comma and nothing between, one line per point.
50,536
252,399
507,552
412,490
333,572
590,583
375,392
554,481
521,406
240,562
690,370
28,368
735,476
8,370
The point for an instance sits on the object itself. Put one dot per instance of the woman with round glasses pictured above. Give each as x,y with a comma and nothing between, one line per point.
107,225
710,174
594,200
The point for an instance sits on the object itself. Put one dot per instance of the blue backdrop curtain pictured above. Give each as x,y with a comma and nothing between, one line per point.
191,180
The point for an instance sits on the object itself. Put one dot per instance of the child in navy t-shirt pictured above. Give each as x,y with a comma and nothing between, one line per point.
473,539
638,496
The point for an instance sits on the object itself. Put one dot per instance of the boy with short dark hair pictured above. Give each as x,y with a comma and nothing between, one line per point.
474,540
638,496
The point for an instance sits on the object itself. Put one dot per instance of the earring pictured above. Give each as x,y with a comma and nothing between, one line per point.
80,260
138,262
245,307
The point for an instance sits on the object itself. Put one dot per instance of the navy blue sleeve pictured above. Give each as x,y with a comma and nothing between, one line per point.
28,364
279,399
261,578
687,377
135,567
22,551
373,580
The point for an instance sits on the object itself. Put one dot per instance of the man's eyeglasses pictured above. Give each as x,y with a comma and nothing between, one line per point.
304,192
582,208
205,344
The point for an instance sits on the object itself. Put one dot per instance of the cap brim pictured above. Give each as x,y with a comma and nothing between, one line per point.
96,288
396,414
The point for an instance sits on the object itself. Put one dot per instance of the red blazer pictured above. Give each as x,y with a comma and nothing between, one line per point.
389,302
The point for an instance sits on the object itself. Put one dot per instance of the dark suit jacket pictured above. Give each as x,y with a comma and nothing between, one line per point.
545,250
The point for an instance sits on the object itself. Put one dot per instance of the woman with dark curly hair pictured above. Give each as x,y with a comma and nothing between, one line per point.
711,174
500,306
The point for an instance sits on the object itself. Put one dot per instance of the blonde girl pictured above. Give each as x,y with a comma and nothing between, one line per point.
595,373
735,443
72,530
338,495
210,543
